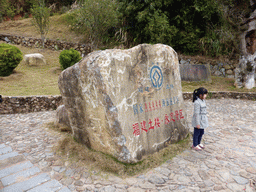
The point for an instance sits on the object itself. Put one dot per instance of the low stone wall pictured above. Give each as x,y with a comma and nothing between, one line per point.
195,72
218,68
49,44
12,105
220,95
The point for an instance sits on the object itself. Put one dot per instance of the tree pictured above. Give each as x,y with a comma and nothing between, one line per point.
95,19
41,18
241,17
179,23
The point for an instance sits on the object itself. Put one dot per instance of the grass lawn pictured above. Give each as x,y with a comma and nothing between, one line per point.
217,84
58,29
33,80
43,79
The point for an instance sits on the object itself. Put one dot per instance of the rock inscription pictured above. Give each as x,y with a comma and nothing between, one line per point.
126,103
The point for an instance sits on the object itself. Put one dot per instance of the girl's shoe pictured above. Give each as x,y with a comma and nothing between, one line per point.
202,146
197,148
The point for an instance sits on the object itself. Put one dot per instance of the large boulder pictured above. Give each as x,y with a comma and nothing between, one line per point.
126,103
34,59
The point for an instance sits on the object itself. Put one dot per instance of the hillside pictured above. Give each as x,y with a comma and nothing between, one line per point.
58,29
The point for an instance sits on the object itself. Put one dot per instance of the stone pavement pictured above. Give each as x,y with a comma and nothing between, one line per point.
28,163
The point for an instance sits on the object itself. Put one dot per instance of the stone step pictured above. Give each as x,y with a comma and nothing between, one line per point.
5,150
65,189
20,176
15,168
50,186
28,184
10,161
8,155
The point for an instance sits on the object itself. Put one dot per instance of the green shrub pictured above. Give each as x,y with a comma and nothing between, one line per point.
179,23
69,57
96,19
10,57
64,9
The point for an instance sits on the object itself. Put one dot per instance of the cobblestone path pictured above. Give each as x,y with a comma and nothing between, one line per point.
228,163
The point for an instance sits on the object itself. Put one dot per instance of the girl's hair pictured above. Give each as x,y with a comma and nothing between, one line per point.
199,91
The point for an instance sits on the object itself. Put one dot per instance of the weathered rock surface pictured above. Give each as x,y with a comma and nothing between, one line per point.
244,73
34,59
62,117
127,103
190,72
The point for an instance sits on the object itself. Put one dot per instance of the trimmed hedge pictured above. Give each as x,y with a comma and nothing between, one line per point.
10,57
69,57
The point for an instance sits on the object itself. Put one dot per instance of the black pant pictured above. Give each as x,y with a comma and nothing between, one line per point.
198,133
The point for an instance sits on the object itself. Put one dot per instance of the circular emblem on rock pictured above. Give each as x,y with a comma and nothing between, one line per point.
156,77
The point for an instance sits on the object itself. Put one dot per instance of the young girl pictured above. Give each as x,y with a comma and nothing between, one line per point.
199,120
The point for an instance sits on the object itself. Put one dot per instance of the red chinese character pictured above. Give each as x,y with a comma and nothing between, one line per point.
156,105
160,104
150,124
153,106
172,117
157,122
149,106
166,119
177,115
143,126
181,116
146,108
136,129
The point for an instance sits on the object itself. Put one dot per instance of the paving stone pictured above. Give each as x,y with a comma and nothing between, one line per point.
240,180
183,179
225,175
10,161
249,188
251,170
208,183
122,186
253,164
69,172
163,171
5,150
203,175
109,189
147,186
20,176
15,168
50,186
67,181
57,176
131,181
245,175
21,133
156,179
218,188
235,187
28,184
232,172
72,187
65,189
135,189
79,183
